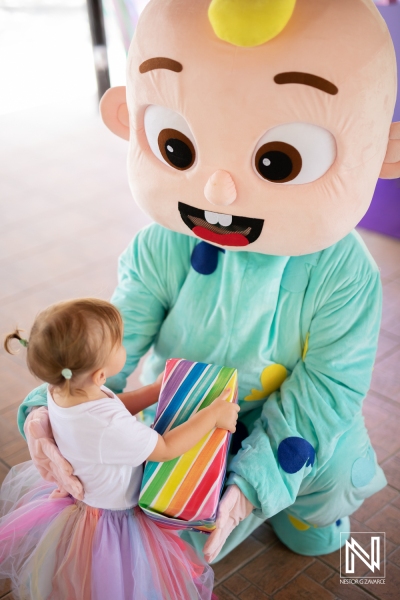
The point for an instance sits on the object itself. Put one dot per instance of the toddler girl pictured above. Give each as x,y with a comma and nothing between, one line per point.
103,547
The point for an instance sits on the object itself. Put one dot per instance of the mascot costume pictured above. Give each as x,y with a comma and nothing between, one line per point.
257,131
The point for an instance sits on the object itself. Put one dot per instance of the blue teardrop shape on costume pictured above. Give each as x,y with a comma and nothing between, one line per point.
363,470
294,453
204,258
338,522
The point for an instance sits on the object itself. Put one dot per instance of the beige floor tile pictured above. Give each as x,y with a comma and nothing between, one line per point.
236,584
272,569
375,503
5,587
386,345
303,587
391,467
237,558
318,571
386,435
224,594
385,250
391,308
381,453
374,415
10,449
346,592
386,377
387,519
3,472
253,593
18,457
389,591
383,403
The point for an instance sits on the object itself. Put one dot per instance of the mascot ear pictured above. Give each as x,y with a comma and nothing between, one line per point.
391,164
114,111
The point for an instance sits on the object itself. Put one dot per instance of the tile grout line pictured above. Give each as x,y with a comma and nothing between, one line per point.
380,396
3,462
302,572
387,354
378,512
369,592
389,335
392,455
236,570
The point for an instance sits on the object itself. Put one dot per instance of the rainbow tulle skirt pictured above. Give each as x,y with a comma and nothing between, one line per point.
62,549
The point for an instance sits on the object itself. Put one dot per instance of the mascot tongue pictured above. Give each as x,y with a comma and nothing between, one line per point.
223,239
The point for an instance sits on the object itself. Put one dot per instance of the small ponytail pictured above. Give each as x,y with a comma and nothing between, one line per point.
14,336
68,340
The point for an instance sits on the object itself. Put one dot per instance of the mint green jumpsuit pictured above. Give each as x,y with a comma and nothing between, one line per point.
302,332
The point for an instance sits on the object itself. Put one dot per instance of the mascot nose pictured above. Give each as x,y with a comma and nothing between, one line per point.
220,188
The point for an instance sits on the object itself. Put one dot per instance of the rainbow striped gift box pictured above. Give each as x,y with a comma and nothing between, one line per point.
184,492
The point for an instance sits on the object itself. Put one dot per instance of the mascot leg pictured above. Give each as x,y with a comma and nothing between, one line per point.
312,525
309,540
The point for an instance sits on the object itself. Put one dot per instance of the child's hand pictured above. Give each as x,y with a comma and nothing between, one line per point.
179,440
226,412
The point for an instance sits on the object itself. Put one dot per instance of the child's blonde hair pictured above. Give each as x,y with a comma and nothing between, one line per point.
76,336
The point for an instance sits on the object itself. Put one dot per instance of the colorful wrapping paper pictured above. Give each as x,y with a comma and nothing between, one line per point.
184,492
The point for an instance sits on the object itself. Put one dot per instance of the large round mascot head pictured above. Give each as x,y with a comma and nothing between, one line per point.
258,125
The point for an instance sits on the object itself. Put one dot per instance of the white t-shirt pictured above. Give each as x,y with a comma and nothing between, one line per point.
106,447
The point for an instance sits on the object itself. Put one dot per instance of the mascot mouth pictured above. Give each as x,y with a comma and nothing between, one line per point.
220,228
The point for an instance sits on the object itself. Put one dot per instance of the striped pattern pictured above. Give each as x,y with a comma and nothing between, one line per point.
184,492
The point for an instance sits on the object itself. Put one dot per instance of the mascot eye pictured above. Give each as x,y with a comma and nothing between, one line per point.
277,161
177,150
169,137
294,153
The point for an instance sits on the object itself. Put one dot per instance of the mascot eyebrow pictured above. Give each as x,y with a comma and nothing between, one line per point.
307,79
159,62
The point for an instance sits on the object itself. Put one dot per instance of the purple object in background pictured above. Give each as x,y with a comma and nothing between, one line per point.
384,213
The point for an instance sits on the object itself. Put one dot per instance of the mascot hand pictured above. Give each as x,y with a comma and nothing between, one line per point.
47,458
233,508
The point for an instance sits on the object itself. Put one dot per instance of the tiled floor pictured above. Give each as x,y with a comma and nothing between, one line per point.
67,213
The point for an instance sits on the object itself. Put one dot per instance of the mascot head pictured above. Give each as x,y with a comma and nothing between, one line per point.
258,125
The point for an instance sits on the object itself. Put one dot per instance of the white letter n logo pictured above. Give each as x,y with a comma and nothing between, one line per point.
353,548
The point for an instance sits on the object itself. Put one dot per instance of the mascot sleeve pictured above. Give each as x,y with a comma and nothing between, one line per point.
301,423
37,397
150,275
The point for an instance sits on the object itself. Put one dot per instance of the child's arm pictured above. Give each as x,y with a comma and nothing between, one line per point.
177,441
138,400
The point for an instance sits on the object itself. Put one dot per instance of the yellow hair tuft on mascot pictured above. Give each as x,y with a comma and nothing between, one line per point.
249,22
